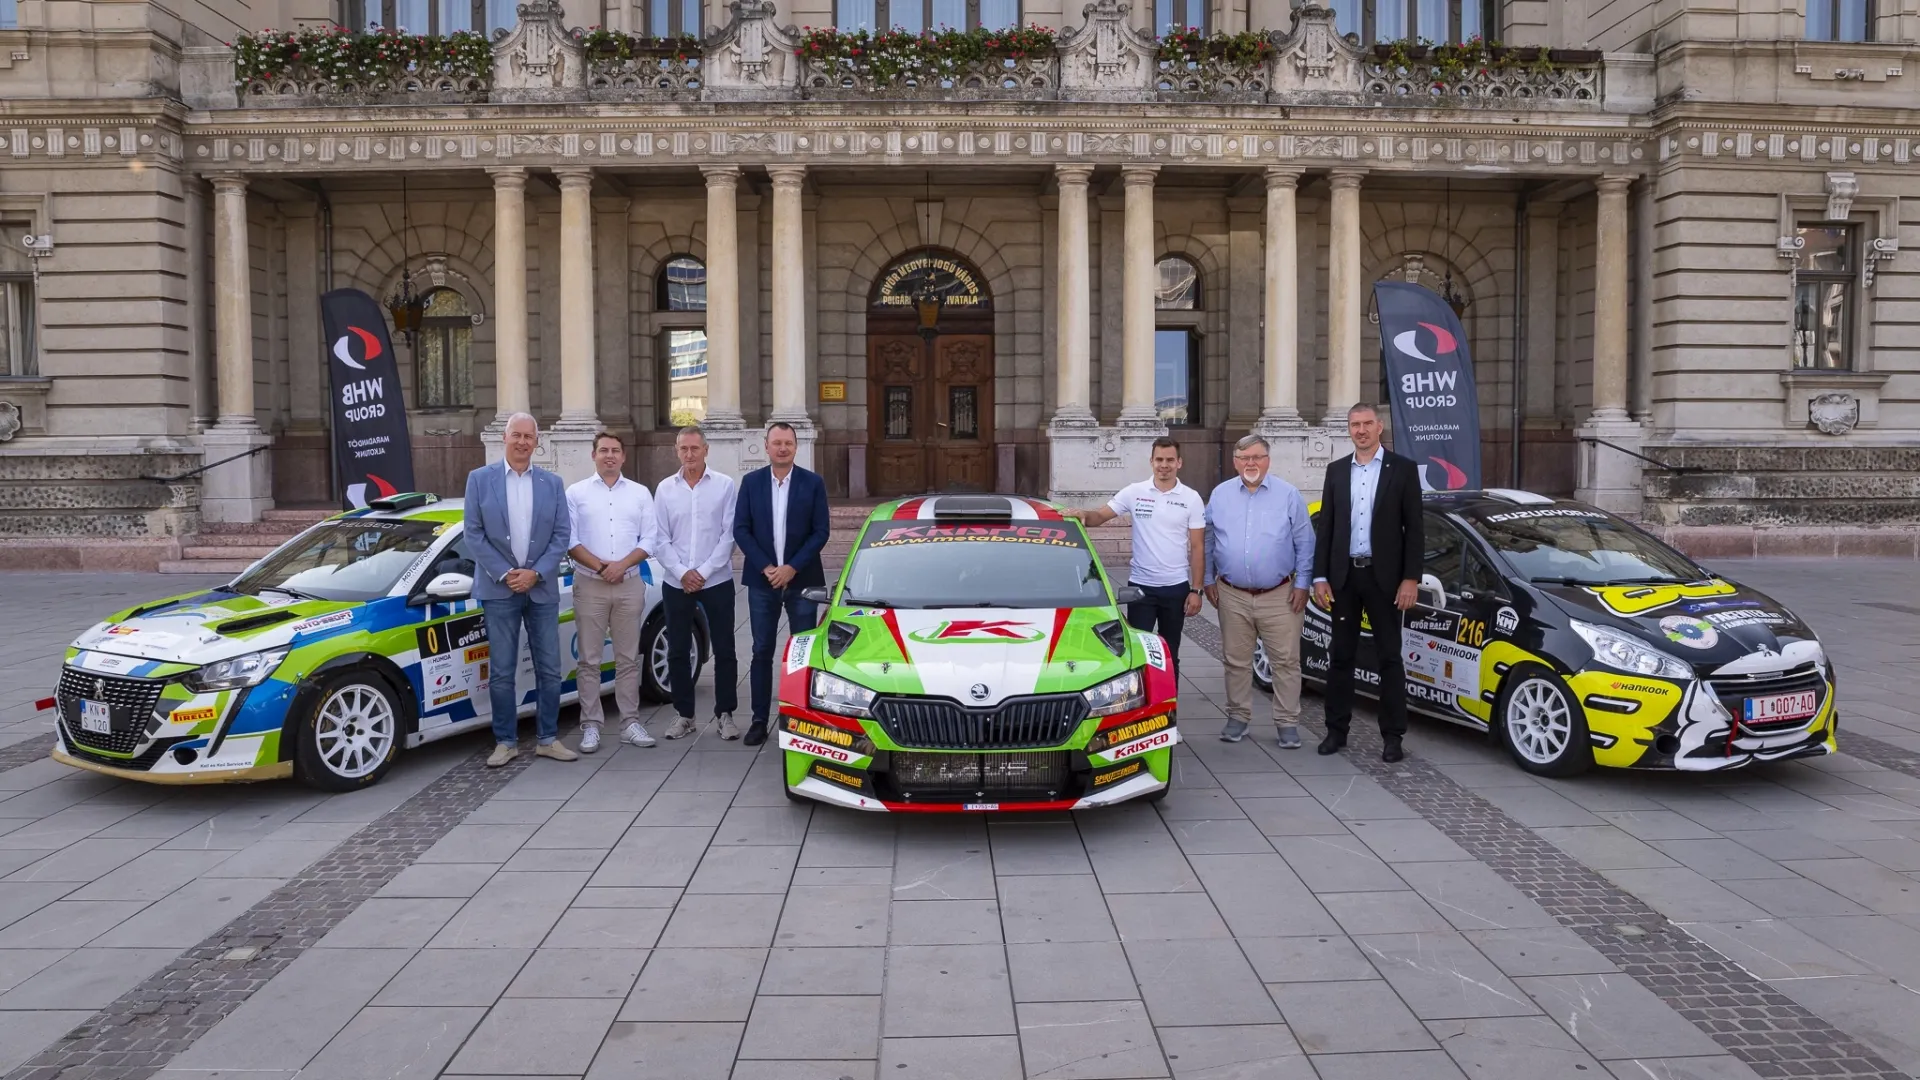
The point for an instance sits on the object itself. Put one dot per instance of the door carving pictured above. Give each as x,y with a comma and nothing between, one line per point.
930,412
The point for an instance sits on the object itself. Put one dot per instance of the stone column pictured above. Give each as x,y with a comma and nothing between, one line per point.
789,306
1299,452
512,392
1137,292
724,423
1073,297
240,489
200,351
1608,478
1344,303
570,441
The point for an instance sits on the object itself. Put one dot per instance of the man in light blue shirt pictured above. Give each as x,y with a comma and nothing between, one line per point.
1259,559
1363,485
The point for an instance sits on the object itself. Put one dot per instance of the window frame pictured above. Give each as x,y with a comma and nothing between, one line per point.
667,320
1869,15
1195,387
883,15
1457,29
1848,278
446,327
675,18
1183,8
355,16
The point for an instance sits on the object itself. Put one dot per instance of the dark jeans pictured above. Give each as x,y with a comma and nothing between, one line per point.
717,602
1363,593
1163,612
764,606
504,619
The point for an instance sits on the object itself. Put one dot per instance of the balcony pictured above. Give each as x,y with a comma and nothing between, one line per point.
753,58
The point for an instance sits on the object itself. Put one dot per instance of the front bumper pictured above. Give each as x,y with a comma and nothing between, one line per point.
162,732
238,775
1697,726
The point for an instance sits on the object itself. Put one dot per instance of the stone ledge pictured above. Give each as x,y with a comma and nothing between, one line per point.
1740,542
95,556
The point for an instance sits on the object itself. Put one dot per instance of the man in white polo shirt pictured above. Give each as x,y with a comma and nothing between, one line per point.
612,519
1169,545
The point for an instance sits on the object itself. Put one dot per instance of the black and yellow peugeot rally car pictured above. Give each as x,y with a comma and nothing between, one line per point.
1578,639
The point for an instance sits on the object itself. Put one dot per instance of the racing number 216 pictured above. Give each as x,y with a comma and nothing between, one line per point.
1472,632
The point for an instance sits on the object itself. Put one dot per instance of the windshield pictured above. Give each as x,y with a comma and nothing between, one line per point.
354,559
1576,546
924,565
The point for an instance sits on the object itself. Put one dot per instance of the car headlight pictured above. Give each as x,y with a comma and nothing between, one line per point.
234,674
1623,652
831,693
1117,695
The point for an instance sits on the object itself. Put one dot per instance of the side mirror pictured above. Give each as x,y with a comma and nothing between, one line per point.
816,594
450,587
1128,594
1432,592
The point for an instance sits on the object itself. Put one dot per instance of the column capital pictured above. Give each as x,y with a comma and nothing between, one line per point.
721,175
508,178
1614,182
1139,175
1346,178
228,183
1284,176
1072,173
787,176
574,177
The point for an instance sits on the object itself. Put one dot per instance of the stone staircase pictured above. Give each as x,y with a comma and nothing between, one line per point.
228,547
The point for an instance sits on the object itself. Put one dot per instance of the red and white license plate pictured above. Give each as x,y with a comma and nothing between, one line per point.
1784,706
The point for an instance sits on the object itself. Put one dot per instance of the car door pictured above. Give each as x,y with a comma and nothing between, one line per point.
1451,622
1316,646
455,661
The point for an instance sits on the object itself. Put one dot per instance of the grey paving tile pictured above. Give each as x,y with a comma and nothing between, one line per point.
395,923
1865,882
1471,896
1685,895
790,1027
1216,837
186,916
1721,859
1884,944
947,990
1041,847
1089,1040
987,1057
1544,950
1195,983
1261,785
704,808
1259,895
454,977
152,875
1606,847
654,857
1657,825
1336,864
1774,949
956,869
1071,971
1902,855
61,924
607,928
395,1044
24,1034
715,770
1880,1013
467,843
1297,816
272,858
19,965
1405,840
517,811
1383,912
638,897
696,985
1613,1016
1162,916
439,879
868,845
1399,1065
1793,898
785,824
1355,798
536,1035
834,915
1441,976
513,911
1514,1048
723,921
1322,1016
1538,808
1317,958
83,860
533,860
825,971
1066,908
803,1070
1185,802
1136,854
1697,1068
745,869
1243,1052
583,973
84,978
307,1004
945,922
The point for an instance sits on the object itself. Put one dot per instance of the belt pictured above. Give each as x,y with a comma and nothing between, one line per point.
1258,592
1361,560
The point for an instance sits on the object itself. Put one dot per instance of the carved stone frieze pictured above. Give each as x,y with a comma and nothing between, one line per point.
1106,59
1315,57
752,56
1834,413
539,59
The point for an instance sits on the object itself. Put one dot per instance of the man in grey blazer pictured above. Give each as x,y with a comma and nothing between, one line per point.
517,530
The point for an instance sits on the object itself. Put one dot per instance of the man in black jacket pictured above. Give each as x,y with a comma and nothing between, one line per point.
1368,560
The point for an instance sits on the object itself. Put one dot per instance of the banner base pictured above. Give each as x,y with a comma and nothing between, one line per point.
242,489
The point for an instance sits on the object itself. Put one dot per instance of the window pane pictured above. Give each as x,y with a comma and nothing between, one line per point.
684,285
1171,367
1820,325
963,412
1433,20
444,303
9,15
689,17
455,15
999,14
1390,20
685,399
949,14
432,364
899,415
855,15
1178,288
908,15
1163,16
411,16
1473,21
1828,248
501,14
1853,20
460,366
10,359
1346,16
1443,554
1820,20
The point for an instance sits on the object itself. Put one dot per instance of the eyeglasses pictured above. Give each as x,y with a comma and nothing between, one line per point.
1250,458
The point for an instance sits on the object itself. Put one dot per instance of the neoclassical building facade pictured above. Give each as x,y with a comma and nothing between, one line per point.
1672,229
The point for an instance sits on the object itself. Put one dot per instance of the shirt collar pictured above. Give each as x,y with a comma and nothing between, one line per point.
620,480
505,465
1379,457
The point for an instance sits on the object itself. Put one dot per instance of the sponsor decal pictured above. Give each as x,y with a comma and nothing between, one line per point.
1318,637
323,622
1545,512
1156,650
1506,620
819,732
477,653
1428,693
1724,619
862,613
1691,632
808,746
1472,632
1138,728
1699,606
464,633
1314,662
998,630
1640,599
440,529
1002,534
797,648
981,806
192,716
828,772
446,698
1442,664
106,662
1433,622
1141,746
1121,773
1637,687
119,630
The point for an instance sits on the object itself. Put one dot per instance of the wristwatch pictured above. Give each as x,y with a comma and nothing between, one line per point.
1193,590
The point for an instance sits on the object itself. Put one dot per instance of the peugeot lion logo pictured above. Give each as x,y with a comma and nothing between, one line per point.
978,692
99,688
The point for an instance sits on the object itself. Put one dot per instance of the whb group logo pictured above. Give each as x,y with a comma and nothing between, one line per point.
1435,410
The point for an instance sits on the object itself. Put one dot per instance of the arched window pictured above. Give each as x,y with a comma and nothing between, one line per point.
1416,20
1176,342
680,300
444,360
916,16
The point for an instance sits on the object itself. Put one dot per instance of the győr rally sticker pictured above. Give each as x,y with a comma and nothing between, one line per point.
1691,632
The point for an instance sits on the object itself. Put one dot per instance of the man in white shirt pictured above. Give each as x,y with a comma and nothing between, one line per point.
1169,546
693,516
612,525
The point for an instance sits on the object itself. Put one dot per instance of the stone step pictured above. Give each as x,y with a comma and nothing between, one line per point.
303,516
204,566
280,529
239,539
227,553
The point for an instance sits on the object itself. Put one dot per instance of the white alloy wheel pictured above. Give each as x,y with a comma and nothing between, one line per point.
658,678
1262,669
354,731
1539,722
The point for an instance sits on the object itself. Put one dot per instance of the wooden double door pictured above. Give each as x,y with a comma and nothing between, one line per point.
930,412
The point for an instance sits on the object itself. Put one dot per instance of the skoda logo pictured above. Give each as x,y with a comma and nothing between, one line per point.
978,692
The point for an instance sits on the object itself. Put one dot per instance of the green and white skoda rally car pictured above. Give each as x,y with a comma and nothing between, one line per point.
321,661
974,657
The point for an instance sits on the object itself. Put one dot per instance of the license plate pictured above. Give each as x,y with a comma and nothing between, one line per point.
96,717
1783,706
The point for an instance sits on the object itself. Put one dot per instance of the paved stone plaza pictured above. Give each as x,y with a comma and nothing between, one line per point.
665,913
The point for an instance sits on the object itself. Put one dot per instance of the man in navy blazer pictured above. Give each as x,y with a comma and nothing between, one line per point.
781,525
517,530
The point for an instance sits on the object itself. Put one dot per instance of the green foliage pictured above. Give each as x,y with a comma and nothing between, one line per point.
359,58
600,42
1191,48
891,56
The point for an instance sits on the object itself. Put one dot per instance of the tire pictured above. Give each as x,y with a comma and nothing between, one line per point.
1262,671
653,651
1543,724
352,735
1157,796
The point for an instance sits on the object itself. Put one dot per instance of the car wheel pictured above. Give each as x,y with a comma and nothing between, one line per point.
1262,671
655,684
1543,725
351,737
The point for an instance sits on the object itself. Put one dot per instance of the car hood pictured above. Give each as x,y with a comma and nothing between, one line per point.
977,656
1711,624
201,628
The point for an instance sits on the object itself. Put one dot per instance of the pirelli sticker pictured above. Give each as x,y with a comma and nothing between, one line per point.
819,732
1129,769
193,716
824,771
1136,729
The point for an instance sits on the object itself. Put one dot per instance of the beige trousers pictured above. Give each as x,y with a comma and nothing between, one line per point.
596,607
1270,618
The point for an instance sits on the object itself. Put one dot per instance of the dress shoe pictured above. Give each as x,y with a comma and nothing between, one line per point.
502,753
555,751
1392,752
1333,743
756,733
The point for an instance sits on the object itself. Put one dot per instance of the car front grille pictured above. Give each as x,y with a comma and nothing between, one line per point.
1018,723
1733,690
130,701
1018,777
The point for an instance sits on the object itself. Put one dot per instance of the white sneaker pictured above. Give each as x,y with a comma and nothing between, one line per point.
681,728
728,729
589,738
635,735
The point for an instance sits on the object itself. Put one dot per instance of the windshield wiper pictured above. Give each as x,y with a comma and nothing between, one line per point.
1611,582
970,603
283,590
853,602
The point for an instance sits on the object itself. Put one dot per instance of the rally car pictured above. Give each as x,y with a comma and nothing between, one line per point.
974,657
1577,639
349,642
